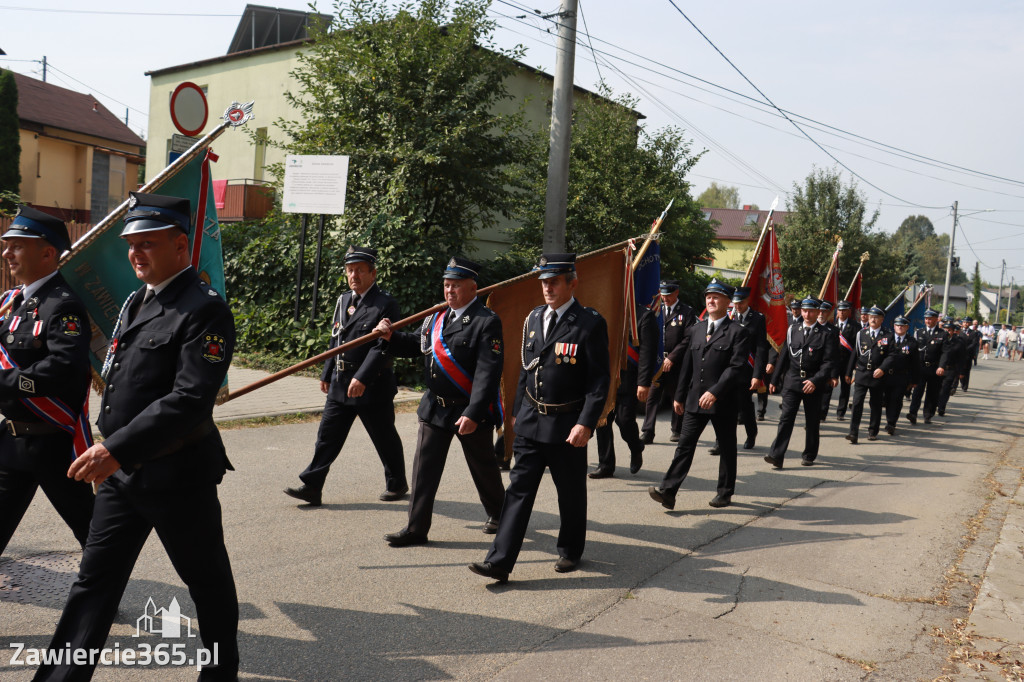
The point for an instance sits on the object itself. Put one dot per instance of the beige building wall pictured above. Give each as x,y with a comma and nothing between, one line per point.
735,254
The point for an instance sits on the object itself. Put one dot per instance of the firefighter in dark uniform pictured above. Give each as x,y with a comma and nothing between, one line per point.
463,349
676,316
931,339
773,360
359,383
561,394
805,368
904,372
848,329
162,457
951,364
871,360
635,378
972,338
757,359
825,320
714,369
45,339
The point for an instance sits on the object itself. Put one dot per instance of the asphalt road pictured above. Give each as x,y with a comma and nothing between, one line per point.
839,571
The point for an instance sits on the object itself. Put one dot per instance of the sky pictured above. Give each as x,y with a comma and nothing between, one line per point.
920,100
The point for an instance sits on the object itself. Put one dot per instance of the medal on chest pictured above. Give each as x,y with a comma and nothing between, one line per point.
566,352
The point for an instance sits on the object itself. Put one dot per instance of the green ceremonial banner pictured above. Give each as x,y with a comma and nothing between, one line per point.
102,276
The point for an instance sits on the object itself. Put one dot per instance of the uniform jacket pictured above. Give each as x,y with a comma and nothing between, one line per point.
811,354
551,377
930,345
849,333
477,346
954,354
53,364
675,329
773,355
906,367
641,362
367,363
757,327
971,338
833,333
871,354
168,364
717,365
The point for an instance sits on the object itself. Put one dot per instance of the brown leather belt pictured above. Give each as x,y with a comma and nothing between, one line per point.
18,429
554,408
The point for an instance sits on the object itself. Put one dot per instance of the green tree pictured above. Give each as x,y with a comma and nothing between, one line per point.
719,196
822,212
621,177
976,280
10,144
924,252
411,97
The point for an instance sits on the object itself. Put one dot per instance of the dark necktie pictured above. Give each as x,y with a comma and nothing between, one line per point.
550,329
449,317
711,330
150,295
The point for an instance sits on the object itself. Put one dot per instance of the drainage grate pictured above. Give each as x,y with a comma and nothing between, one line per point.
41,579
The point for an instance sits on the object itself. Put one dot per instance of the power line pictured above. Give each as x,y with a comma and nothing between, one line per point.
586,32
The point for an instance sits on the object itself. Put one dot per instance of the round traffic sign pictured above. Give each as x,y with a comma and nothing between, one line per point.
188,109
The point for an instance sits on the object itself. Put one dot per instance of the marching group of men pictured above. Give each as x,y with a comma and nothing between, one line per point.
162,457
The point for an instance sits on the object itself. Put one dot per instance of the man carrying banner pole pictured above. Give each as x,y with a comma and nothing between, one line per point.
44,380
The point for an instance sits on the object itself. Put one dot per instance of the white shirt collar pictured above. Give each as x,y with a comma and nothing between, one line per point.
458,313
157,288
29,290
561,309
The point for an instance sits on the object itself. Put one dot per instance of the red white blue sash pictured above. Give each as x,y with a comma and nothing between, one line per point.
54,411
844,343
445,361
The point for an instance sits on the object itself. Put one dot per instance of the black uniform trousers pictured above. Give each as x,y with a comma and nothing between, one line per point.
665,383
379,421
762,402
826,399
72,499
568,467
929,387
791,400
694,424
747,416
894,401
876,401
965,380
188,523
625,417
844,398
432,445
949,382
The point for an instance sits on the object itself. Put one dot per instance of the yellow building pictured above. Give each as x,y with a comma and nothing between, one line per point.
736,231
257,67
78,160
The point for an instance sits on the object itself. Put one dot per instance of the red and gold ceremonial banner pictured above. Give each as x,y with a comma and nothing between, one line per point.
854,294
602,280
830,289
767,293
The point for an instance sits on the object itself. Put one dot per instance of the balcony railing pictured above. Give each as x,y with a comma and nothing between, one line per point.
244,199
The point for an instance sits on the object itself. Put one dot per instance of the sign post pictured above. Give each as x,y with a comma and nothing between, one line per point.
313,184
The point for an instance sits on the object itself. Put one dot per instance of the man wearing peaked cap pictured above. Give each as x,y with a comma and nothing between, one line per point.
847,328
714,367
903,373
951,363
825,320
563,386
463,350
676,319
972,342
359,383
870,362
45,338
805,368
162,458
931,340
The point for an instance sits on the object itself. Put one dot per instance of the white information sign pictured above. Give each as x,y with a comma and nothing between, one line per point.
315,184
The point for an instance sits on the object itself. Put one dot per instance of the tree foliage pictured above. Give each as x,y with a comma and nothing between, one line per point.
923,252
976,286
822,212
410,95
720,196
621,177
10,142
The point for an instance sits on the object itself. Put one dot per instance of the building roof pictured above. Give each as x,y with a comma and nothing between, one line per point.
263,26
741,224
955,291
47,104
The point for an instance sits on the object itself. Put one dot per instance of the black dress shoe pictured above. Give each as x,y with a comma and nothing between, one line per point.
674,438
777,463
760,416
489,570
823,417
721,501
872,436
635,462
804,461
491,525
393,495
310,496
602,472
647,437
840,415
715,451
852,438
405,538
927,420
942,413
748,444
912,418
566,565
890,429
661,495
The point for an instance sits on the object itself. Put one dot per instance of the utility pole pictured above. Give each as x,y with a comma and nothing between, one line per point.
1009,298
949,264
561,130
44,68
999,297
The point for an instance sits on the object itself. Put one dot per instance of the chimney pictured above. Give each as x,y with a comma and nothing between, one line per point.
95,105
746,207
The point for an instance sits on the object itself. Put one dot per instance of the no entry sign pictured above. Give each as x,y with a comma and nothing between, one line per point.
188,109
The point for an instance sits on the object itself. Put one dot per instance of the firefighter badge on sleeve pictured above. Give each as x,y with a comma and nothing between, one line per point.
214,349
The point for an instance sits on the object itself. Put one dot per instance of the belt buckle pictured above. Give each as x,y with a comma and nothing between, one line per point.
440,401
10,428
803,374
869,366
542,408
